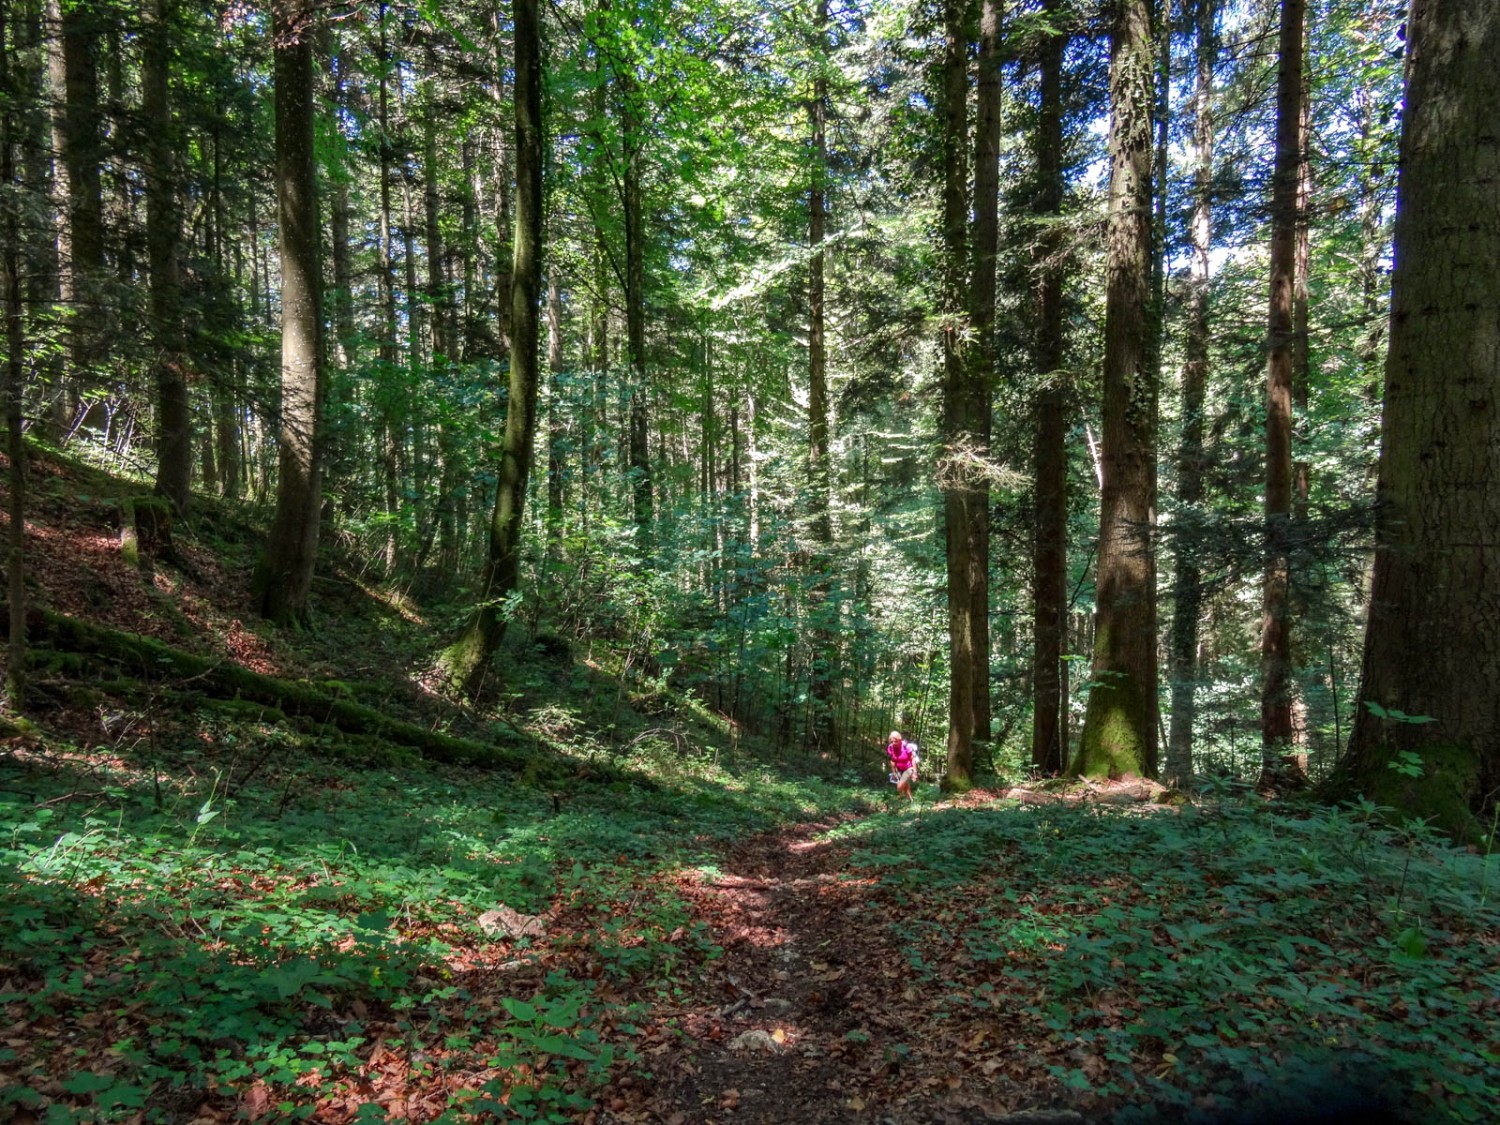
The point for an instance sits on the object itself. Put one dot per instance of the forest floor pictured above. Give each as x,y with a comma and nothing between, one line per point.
814,1012
219,909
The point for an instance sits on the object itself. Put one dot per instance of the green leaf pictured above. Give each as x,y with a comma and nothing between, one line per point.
562,1045
520,1009
87,1082
1411,942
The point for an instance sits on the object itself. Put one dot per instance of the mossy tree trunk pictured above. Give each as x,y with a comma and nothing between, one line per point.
1427,736
467,659
284,576
1119,728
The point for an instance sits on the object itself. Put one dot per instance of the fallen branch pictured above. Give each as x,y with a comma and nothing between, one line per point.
150,659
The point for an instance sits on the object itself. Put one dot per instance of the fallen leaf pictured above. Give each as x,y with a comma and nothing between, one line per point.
256,1101
756,1040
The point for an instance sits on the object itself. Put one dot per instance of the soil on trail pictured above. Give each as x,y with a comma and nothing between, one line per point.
811,1015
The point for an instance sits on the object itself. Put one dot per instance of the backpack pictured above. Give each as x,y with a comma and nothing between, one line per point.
916,754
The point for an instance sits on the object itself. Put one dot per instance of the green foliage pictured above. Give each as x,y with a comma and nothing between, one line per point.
273,932
1236,945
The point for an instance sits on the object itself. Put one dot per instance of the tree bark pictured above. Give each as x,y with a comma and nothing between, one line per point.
223,399
386,390
439,293
75,132
1187,606
960,496
1049,737
1431,650
635,304
14,383
1278,768
1301,330
174,444
981,357
1119,735
467,660
284,577
825,639
341,216
557,431
817,359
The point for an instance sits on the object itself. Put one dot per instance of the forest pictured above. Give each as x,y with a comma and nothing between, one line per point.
482,480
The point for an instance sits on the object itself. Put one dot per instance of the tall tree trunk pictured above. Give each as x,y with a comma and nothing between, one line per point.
817,358
14,384
960,496
1372,204
556,421
505,249
1301,309
439,296
75,133
468,658
1120,725
469,251
825,638
341,216
1049,735
632,126
445,344
1430,643
284,577
223,411
174,446
594,441
386,391
1278,768
981,356
415,455
1188,604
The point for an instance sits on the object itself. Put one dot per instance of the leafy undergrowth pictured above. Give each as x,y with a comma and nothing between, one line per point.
216,911
310,943
1231,958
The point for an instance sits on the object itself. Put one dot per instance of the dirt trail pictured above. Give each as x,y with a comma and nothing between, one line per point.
798,1021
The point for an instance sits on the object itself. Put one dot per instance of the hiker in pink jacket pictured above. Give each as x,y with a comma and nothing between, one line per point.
903,763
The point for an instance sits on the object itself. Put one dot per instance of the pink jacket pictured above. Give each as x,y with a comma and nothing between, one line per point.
900,756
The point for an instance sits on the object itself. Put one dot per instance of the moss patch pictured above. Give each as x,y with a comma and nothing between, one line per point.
1444,794
1116,737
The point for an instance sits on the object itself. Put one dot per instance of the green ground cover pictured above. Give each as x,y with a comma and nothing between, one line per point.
1224,957
173,939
